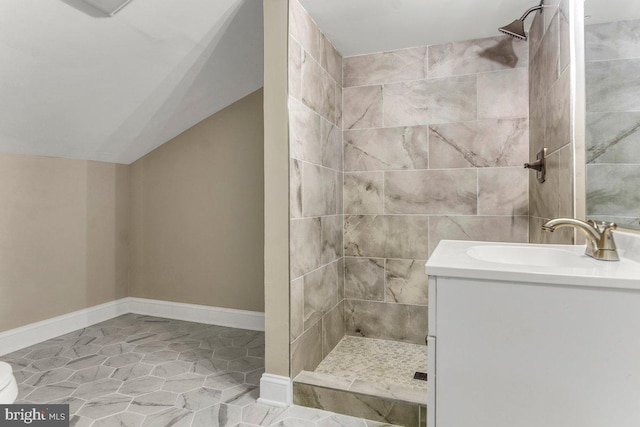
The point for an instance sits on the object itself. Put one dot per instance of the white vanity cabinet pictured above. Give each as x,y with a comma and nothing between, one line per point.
521,346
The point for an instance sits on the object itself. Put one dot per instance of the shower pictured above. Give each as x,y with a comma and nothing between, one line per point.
516,28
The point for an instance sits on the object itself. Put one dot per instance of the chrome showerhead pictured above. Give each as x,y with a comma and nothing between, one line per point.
516,28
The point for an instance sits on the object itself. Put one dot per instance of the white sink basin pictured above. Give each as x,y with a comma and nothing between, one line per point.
529,255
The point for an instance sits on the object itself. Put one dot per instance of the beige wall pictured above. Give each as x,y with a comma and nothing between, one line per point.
197,213
63,236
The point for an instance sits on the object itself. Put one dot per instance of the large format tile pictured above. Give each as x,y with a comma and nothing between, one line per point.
331,228
503,191
362,107
612,40
405,281
306,351
613,85
306,245
423,102
332,328
318,89
364,278
476,56
303,29
371,408
363,192
386,67
388,236
319,190
503,94
386,149
478,228
484,143
387,321
320,293
557,110
438,192
613,137
330,59
613,190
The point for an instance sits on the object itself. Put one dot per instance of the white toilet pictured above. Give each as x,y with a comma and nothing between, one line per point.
8,386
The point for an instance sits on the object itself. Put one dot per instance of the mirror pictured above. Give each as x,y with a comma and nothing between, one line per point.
612,72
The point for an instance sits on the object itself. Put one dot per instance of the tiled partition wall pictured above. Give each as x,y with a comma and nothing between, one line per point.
613,122
550,120
434,142
315,88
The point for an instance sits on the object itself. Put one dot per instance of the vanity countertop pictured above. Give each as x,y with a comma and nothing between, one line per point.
532,263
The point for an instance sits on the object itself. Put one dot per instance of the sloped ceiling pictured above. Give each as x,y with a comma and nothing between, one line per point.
77,84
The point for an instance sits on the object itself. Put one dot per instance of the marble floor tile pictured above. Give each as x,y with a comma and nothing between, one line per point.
176,393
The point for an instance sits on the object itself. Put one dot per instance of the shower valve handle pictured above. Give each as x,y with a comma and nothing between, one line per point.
537,165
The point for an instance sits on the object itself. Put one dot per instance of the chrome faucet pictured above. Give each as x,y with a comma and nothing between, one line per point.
600,244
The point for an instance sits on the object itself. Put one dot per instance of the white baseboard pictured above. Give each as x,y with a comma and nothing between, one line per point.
25,336
33,333
276,390
233,318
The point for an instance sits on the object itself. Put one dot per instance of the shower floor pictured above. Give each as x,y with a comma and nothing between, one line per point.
370,360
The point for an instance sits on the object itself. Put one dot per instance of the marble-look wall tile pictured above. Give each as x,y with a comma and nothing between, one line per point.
613,85
613,40
339,110
295,188
396,322
376,409
295,69
613,137
386,236
565,37
421,102
386,67
320,293
304,133
503,94
565,181
557,110
332,328
405,282
545,64
305,245
477,56
362,107
503,191
478,228
306,351
303,29
484,143
331,145
622,221
386,149
536,129
434,192
319,190
364,278
331,229
318,89
297,308
330,59
341,278
363,193
613,189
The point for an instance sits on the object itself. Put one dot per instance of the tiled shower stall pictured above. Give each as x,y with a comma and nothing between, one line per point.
392,152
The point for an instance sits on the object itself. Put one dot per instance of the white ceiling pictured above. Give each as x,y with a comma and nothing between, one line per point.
77,84
365,26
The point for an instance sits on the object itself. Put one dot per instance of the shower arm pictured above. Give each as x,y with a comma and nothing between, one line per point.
532,9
